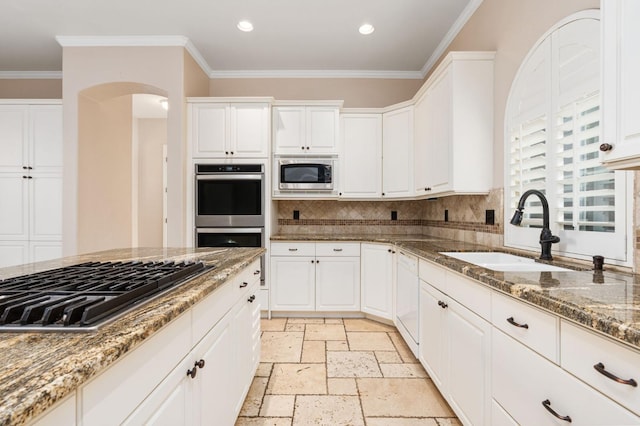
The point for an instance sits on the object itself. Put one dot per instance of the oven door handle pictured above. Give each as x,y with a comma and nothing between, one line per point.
228,230
257,177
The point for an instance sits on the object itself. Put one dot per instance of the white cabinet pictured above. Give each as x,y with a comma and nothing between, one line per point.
61,414
315,276
455,346
306,129
31,181
621,84
397,153
453,127
377,274
535,391
361,156
407,300
229,129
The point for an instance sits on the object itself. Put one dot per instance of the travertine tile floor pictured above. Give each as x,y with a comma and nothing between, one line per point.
328,371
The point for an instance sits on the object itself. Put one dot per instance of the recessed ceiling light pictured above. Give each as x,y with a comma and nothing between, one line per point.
366,29
245,26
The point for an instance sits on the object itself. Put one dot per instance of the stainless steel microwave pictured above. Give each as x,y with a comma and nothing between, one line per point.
306,174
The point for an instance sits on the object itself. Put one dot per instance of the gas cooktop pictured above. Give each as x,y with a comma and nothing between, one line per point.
86,296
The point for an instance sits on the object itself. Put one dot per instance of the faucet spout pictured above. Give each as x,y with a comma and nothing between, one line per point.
546,237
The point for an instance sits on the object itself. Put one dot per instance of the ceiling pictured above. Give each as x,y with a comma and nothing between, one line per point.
290,36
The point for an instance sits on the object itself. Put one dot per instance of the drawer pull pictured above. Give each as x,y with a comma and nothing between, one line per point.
256,272
243,285
293,249
512,322
547,404
335,249
600,369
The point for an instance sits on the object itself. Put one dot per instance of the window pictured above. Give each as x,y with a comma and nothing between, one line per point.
552,144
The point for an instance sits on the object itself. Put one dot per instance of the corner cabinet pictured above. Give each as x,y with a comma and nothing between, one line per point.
453,127
620,147
309,128
361,156
229,128
30,181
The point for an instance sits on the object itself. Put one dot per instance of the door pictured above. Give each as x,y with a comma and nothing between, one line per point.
397,153
13,138
289,130
322,130
45,207
293,283
432,334
337,284
407,294
45,123
249,130
210,129
377,280
14,213
361,159
437,162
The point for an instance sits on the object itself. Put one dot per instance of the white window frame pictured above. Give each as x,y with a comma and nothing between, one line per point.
576,244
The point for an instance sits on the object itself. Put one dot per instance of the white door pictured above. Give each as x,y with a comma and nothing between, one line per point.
293,283
45,207
249,130
13,253
407,299
337,284
44,250
289,130
322,130
361,158
13,138
45,130
420,147
437,162
397,153
432,334
210,129
376,274
14,206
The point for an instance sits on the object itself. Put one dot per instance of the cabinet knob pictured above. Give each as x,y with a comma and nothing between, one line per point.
251,299
302,148
307,148
226,152
24,177
243,285
256,272
383,194
29,167
24,167
606,147
442,304
231,152
194,371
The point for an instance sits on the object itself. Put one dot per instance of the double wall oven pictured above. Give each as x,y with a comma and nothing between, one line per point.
230,206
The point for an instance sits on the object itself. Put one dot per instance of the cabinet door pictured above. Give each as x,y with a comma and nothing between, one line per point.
431,351
361,158
397,153
293,283
468,364
322,130
44,250
45,207
249,130
338,284
437,161
45,130
420,149
376,280
289,130
621,84
241,329
62,414
210,130
14,253
13,138
14,206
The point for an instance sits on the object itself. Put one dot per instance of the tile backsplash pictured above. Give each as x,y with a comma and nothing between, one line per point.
465,216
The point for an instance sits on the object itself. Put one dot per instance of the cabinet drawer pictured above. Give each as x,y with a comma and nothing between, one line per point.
522,380
469,293
338,249
293,249
432,274
538,330
581,350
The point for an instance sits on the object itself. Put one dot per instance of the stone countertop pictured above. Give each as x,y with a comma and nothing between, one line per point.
37,369
606,301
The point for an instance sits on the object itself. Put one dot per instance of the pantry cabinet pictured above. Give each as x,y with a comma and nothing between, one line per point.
361,156
30,181
453,127
377,272
227,130
310,128
620,144
315,276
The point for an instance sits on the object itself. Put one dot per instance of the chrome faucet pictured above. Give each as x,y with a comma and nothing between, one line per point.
546,237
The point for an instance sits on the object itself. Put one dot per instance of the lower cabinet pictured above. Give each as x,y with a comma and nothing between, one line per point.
455,351
315,276
376,278
157,384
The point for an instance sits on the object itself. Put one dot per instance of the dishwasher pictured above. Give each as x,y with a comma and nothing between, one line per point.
407,300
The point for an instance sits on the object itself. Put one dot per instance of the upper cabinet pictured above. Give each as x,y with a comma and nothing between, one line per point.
620,145
306,129
397,153
453,127
361,155
222,129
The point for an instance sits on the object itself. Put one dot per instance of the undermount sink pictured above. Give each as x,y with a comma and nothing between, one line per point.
503,262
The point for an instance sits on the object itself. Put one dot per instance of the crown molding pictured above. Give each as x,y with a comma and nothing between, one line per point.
33,75
316,74
451,34
121,41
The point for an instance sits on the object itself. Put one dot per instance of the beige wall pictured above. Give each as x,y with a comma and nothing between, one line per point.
104,174
196,82
106,72
151,136
30,89
356,92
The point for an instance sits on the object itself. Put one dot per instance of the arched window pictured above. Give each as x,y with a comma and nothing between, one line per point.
552,135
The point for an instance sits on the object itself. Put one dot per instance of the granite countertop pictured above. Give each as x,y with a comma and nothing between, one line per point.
38,369
607,301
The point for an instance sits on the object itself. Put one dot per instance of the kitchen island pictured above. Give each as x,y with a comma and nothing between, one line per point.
39,369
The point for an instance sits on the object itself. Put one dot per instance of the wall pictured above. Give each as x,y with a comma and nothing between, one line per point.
151,136
30,89
104,174
356,92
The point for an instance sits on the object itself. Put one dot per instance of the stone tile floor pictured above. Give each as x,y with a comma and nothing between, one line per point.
332,371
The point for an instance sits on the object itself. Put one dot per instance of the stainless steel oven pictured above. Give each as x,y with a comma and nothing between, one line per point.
229,195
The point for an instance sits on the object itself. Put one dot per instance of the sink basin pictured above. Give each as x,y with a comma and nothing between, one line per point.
503,262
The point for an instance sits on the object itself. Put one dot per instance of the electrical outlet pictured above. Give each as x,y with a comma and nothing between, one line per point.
296,215
394,215
490,217
446,215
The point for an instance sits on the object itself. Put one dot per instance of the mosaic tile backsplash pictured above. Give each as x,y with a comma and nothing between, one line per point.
465,214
